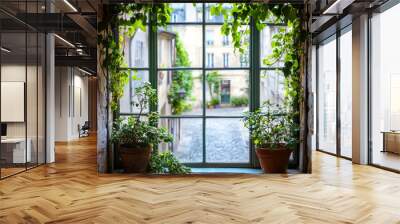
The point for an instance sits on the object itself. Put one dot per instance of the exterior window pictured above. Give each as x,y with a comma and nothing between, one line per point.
385,89
210,60
244,60
226,60
327,96
210,37
203,85
225,40
139,54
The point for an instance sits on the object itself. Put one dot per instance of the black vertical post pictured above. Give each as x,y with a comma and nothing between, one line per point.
26,86
204,83
317,97
254,58
0,92
338,100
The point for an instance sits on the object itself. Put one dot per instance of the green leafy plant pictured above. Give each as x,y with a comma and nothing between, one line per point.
240,101
272,126
165,162
137,132
213,80
182,81
214,102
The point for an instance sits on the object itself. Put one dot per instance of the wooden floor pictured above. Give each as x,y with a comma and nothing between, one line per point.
71,191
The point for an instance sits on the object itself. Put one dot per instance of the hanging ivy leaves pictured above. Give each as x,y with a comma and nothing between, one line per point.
121,21
287,44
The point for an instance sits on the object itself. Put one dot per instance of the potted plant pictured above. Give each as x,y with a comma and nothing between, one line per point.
137,135
273,132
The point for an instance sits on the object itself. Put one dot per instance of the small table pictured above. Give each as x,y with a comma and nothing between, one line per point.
391,141
13,150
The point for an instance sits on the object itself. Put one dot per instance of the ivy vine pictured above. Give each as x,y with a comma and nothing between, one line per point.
122,21
287,44
182,81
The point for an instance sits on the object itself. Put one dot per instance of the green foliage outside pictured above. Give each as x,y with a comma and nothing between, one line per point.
240,101
181,89
213,80
214,102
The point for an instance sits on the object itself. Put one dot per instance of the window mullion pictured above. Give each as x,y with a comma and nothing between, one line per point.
153,62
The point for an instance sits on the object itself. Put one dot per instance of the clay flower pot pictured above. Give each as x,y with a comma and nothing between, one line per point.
274,160
135,159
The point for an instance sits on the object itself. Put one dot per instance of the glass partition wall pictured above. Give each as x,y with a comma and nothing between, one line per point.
334,94
204,85
22,78
385,89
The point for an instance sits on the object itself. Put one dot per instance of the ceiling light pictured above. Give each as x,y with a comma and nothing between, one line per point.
84,71
65,41
337,7
5,50
70,5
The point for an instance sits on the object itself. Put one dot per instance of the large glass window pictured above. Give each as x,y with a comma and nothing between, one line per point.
204,85
22,90
327,96
346,94
385,89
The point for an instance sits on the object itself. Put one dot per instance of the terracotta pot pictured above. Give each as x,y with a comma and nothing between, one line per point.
135,159
274,160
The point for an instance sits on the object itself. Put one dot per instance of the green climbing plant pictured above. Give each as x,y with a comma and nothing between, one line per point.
287,44
182,81
213,80
122,21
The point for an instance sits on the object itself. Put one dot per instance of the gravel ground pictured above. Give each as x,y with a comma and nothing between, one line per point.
227,140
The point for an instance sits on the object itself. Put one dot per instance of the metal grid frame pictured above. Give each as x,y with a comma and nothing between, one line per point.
254,69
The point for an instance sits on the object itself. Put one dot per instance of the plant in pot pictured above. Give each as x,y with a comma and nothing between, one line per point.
137,135
273,132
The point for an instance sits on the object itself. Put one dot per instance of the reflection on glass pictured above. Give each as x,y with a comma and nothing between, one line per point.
136,79
15,150
346,94
180,46
227,92
41,99
227,141
136,50
180,92
272,86
188,138
32,100
385,85
186,12
327,97
220,52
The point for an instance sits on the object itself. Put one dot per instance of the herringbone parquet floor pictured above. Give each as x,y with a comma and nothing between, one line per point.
71,191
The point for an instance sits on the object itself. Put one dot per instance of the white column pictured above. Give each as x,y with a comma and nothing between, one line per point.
360,90
50,101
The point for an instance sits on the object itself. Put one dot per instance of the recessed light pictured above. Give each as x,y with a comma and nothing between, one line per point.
70,5
84,71
5,50
65,41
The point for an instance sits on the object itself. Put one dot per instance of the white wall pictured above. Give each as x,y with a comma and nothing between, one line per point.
71,102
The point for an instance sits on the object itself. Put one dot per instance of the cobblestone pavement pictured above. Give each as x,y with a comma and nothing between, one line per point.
227,140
